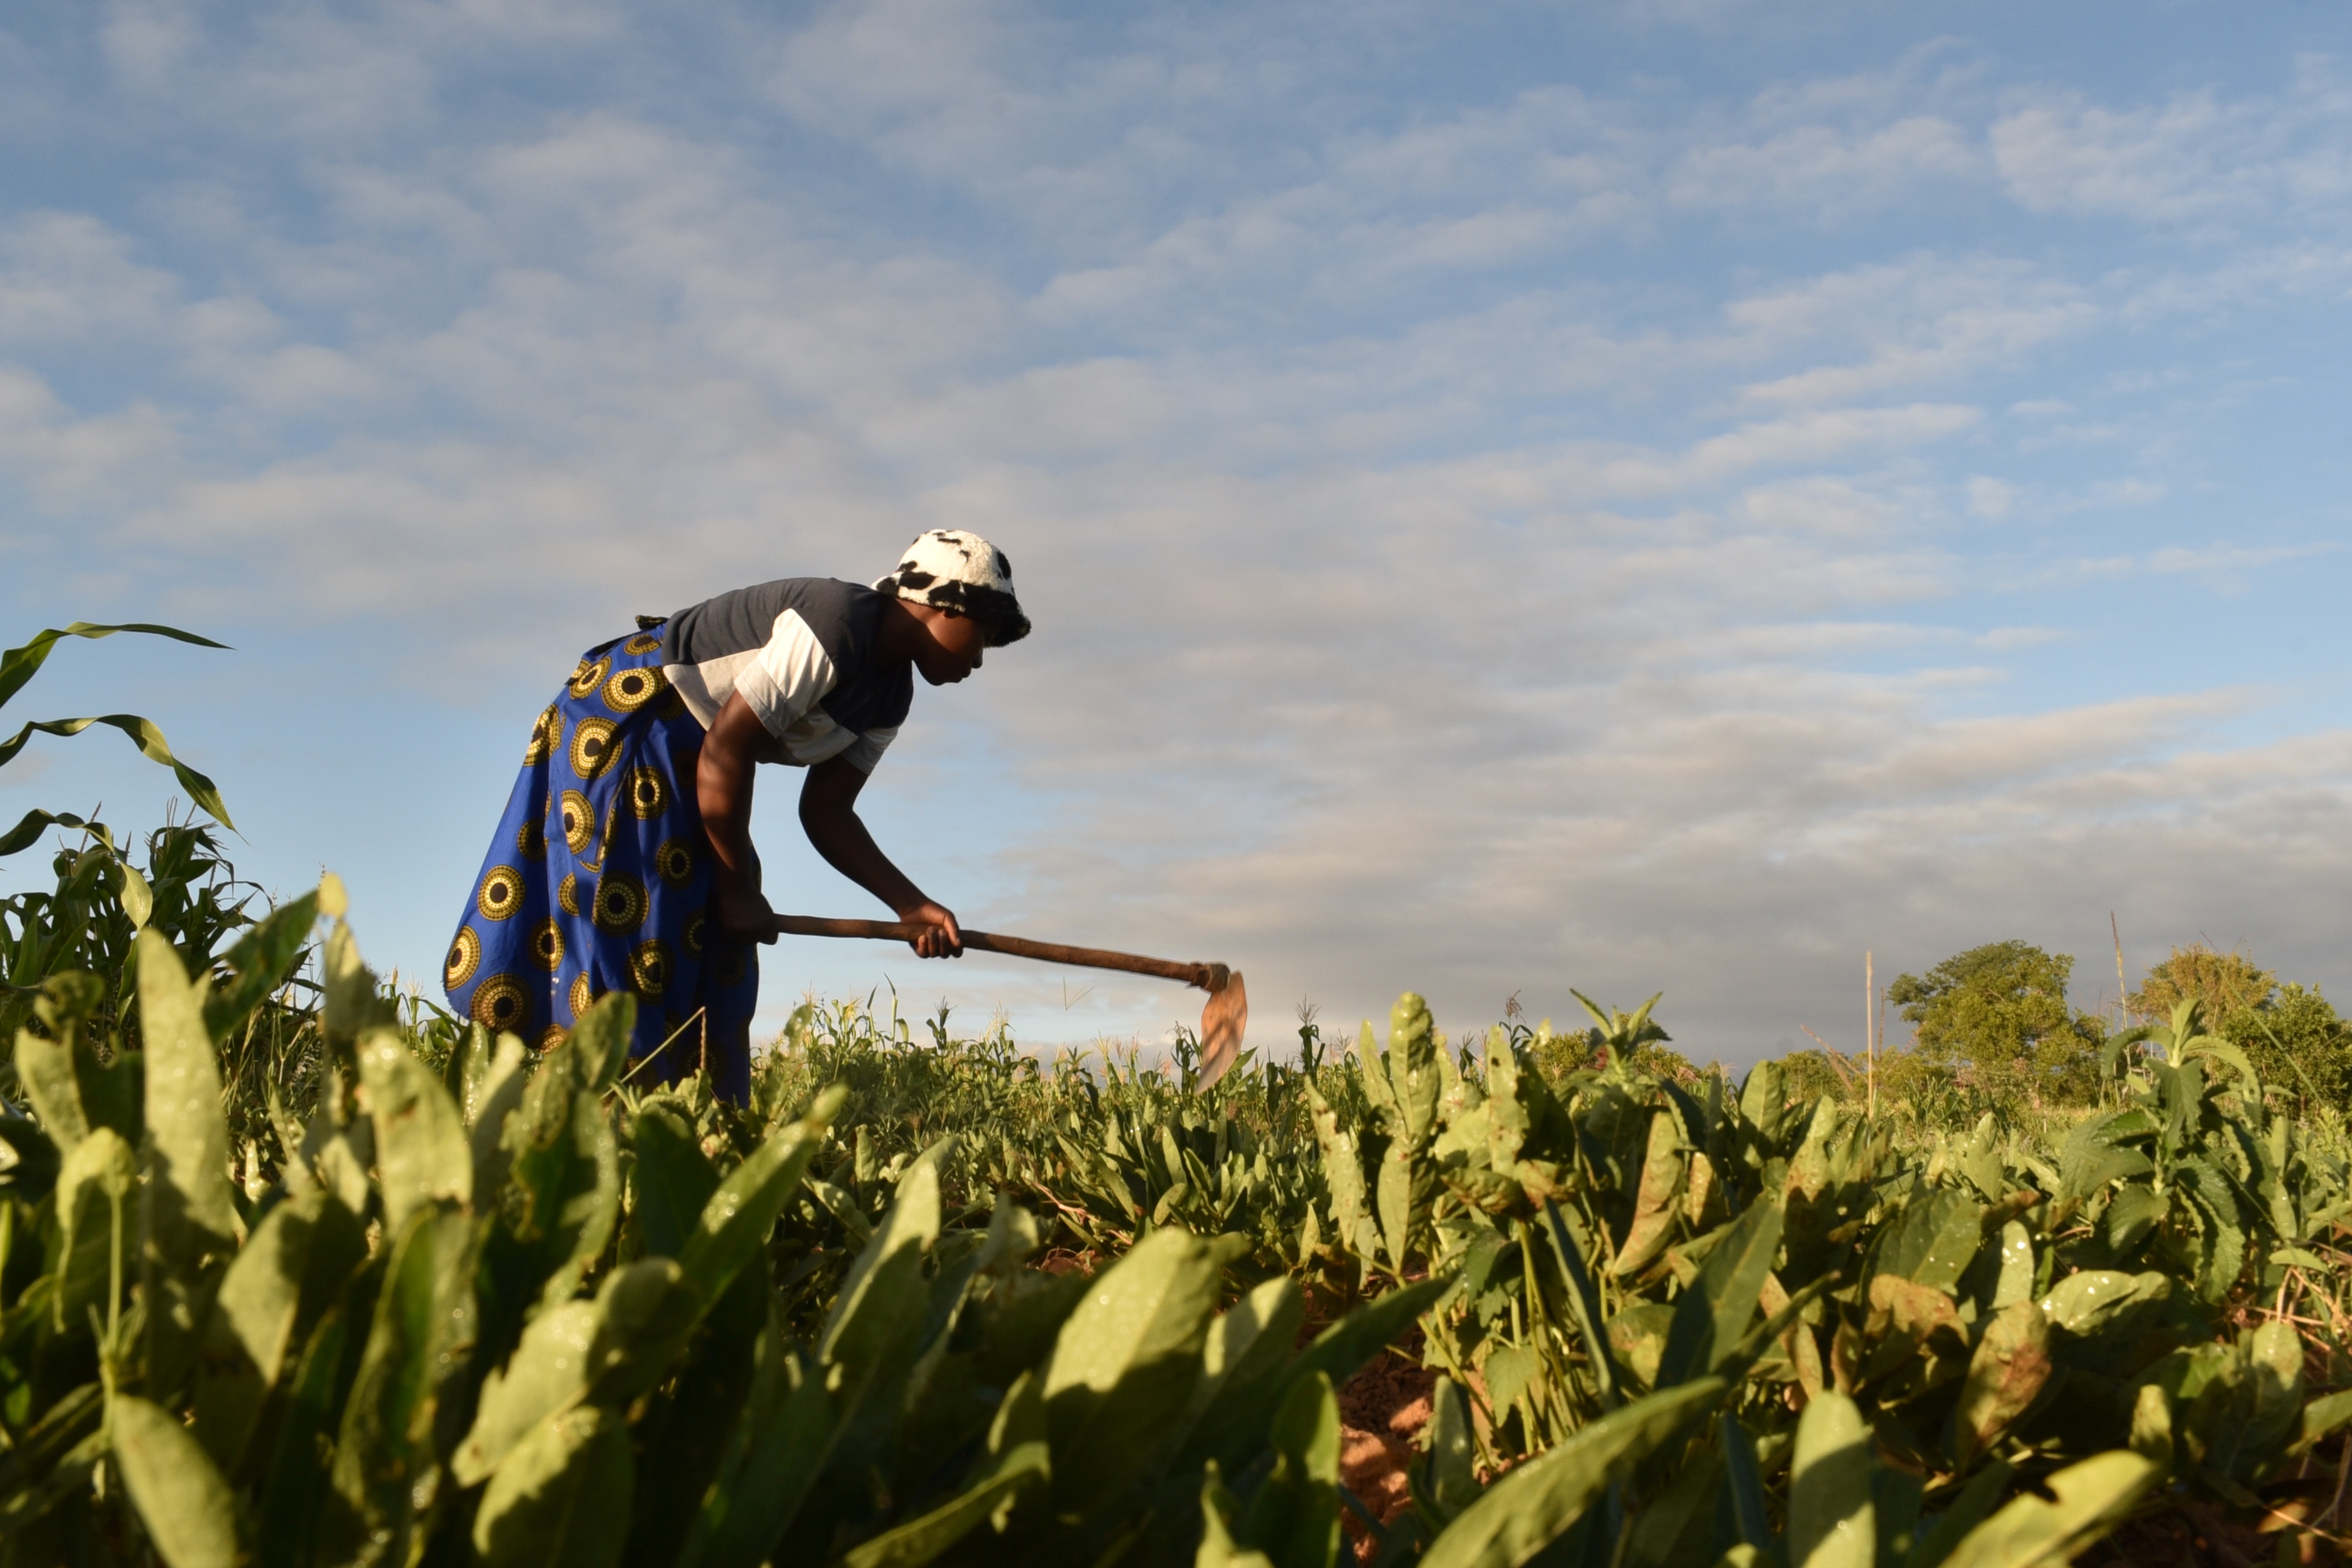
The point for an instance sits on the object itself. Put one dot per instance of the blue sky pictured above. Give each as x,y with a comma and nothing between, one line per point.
1664,496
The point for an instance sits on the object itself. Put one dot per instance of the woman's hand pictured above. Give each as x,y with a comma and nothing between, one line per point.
940,937
740,910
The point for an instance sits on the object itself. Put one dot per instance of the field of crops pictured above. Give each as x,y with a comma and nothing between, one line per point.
295,1272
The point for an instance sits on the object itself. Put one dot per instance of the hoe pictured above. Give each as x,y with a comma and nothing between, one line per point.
1222,1021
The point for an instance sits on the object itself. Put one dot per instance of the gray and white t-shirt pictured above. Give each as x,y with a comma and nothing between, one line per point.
800,650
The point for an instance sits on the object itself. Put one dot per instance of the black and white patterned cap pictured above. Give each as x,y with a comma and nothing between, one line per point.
950,569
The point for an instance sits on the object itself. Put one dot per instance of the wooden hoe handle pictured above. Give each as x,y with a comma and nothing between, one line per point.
1210,977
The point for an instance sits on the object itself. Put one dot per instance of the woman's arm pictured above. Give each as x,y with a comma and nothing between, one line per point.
829,815
722,786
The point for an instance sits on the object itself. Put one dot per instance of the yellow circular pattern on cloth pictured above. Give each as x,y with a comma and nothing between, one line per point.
551,1036
500,1003
592,746
545,732
694,935
630,689
465,957
644,642
500,895
579,820
650,965
583,997
567,893
620,903
589,676
547,944
648,792
531,838
674,861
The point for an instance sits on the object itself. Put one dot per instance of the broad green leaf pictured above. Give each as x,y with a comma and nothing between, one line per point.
683,1434
736,1221
645,1315
2261,1417
1934,1240
301,1252
549,1372
422,1332
191,1210
422,1152
2151,1426
187,1217
1584,1303
137,898
1678,1529
1654,1210
1336,1353
2090,1499
1743,1481
1712,1316
94,1183
2095,1301
1960,1516
2095,1155
1446,1481
599,1042
561,1500
564,1191
782,1441
882,1285
187,1508
1218,1547
2323,1417
2015,1281
297,1482
2134,1213
2007,1372
1343,1170
1832,1521
352,1000
46,1069
1294,1517
672,1179
1246,1346
259,963
1540,1500
1125,1364
502,1089
921,1540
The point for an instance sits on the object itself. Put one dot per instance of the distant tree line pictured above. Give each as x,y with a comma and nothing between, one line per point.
1994,1024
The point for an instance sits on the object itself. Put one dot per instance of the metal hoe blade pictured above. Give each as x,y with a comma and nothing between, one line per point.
1222,1022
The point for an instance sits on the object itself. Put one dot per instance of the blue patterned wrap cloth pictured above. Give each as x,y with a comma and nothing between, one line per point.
599,880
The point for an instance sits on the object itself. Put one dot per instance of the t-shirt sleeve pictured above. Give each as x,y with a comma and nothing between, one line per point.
867,749
788,677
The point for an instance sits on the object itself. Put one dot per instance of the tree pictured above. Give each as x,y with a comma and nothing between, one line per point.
2000,1012
2293,1035
2227,982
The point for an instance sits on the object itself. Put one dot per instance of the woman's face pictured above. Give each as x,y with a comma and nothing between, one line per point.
951,651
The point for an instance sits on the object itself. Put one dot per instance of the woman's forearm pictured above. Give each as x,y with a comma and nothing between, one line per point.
839,833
